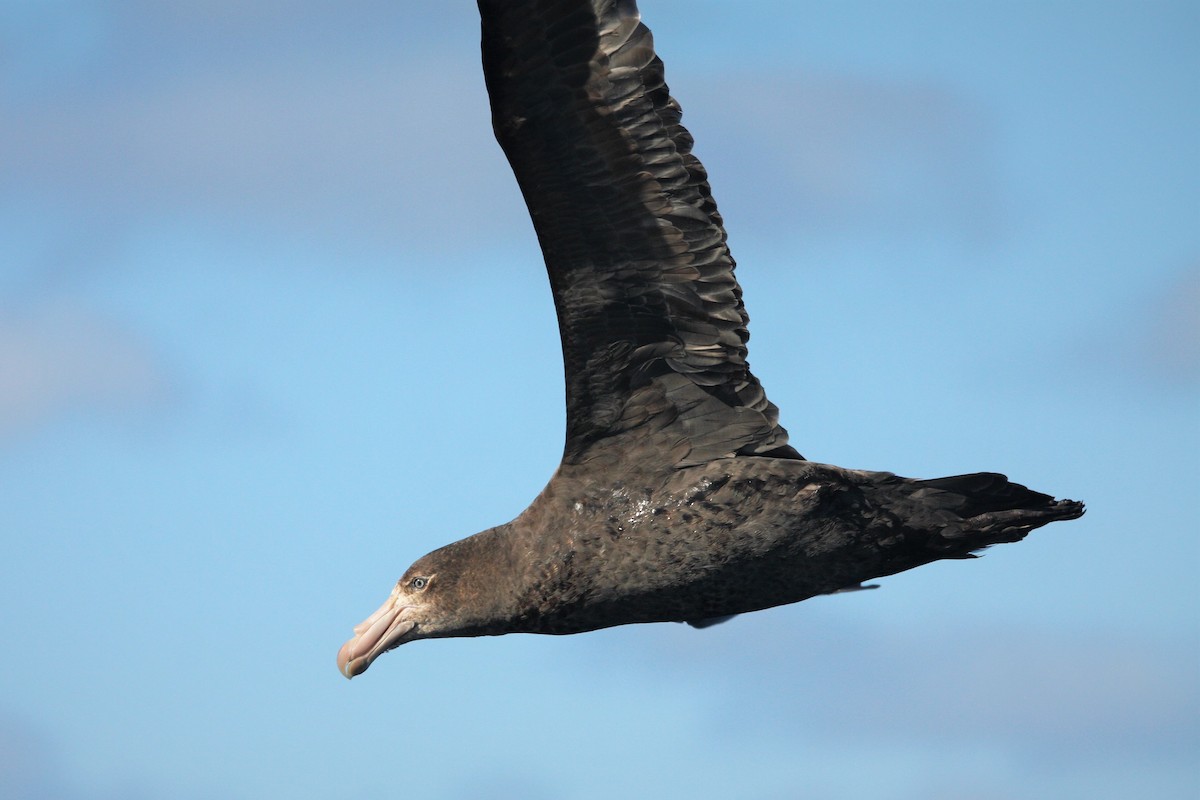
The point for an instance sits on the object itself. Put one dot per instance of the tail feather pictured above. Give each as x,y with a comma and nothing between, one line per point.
985,508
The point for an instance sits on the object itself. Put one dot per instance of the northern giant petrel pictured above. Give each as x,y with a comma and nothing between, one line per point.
678,497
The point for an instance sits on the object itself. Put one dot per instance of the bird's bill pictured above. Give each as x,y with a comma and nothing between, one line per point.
374,636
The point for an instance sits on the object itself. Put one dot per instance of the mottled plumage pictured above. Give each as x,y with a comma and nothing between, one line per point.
678,497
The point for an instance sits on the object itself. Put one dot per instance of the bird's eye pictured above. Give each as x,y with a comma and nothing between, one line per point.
419,583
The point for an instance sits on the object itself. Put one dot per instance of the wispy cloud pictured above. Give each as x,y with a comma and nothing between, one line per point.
34,767
1170,342
1086,694
61,358
271,119
822,149
29,767
1148,338
270,123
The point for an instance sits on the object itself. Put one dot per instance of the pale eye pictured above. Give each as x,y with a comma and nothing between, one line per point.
419,583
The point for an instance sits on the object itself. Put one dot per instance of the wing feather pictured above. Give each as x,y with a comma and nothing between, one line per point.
651,317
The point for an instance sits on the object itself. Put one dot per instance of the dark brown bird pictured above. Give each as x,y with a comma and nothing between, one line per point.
678,497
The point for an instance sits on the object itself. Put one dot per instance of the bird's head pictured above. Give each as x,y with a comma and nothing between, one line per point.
462,589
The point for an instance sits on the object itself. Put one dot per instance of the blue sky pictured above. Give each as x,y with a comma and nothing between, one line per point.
273,324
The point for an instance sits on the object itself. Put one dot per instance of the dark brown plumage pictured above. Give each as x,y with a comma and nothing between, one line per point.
678,497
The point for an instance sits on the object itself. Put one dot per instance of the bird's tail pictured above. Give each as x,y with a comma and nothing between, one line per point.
985,508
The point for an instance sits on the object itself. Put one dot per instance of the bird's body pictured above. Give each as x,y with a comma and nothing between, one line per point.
647,543
678,497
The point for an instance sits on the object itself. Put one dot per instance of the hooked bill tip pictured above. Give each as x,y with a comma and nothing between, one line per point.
377,634
348,665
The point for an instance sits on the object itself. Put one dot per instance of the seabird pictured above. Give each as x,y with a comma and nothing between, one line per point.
678,497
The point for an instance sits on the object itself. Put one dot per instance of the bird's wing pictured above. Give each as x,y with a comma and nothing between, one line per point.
651,317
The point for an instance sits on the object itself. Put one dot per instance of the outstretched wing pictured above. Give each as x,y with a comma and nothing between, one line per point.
651,317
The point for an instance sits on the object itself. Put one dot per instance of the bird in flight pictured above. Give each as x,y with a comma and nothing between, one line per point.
678,497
